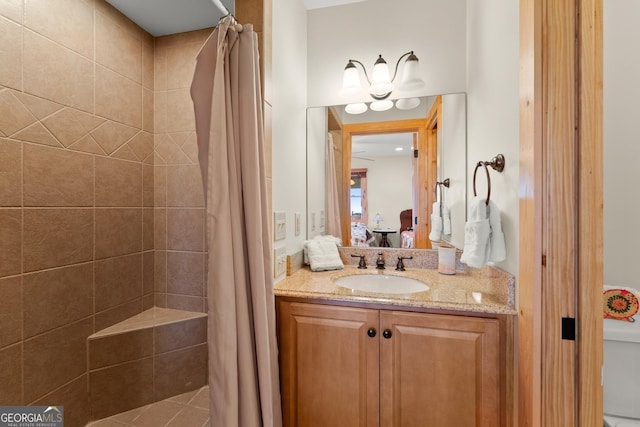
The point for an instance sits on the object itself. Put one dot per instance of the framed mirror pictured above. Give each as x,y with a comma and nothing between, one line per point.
380,173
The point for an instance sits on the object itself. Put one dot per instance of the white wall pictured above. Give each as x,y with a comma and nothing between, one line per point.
316,164
289,116
493,110
388,190
621,142
433,29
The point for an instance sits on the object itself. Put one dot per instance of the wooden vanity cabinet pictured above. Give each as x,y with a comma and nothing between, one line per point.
352,366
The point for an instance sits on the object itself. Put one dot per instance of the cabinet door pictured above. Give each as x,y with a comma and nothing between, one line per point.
439,371
328,365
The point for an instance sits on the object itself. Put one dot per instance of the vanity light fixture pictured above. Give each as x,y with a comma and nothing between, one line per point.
381,83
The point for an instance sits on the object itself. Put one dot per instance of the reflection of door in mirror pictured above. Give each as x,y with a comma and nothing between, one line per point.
358,196
424,170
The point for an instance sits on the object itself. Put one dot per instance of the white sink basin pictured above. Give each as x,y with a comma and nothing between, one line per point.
382,283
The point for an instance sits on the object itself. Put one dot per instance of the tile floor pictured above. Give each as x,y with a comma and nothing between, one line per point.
185,410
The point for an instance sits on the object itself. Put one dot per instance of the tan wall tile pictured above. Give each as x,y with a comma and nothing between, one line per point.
147,64
55,358
160,229
148,271
159,414
118,231
184,186
185,273
119,348
118,281
46,62
68,22
11,53
74,398
160,299
180,116
160,66
147,110
104,319
111,135
57,237
186,333
55,177
159,112
147,185
118,98
186,303
10,173
14,116
160,271
121,387
38,134
180,371
10,312
40,107
11,375
185,229
147,228
118,182
148,301
181,61
65,127
160,183
141,145
12,9
57,297
10,242
118,49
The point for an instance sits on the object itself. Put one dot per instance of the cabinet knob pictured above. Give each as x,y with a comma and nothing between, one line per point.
371,332
387,333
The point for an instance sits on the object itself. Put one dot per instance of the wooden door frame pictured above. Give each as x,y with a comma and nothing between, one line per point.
560,269
426,174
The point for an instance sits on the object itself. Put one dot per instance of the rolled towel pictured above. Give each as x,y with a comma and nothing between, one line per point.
446,220
477,234
435,235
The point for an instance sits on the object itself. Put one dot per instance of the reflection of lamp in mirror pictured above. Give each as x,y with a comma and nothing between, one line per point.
378,218
381,84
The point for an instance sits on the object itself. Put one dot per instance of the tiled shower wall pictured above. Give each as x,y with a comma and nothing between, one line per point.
101,214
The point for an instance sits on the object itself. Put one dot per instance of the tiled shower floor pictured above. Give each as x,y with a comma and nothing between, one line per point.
185,410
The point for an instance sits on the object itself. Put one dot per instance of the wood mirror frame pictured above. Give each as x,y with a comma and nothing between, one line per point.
426,165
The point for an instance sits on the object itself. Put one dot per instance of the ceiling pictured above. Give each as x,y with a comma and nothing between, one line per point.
164,17
371,147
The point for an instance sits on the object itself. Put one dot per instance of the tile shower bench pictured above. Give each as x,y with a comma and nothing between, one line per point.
156,354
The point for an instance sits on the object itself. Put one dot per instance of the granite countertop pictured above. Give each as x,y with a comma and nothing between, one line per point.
487,290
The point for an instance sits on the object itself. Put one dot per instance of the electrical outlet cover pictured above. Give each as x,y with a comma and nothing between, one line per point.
279,225
297,223
313,221
279,261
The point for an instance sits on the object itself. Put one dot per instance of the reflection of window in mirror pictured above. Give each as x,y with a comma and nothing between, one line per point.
358,193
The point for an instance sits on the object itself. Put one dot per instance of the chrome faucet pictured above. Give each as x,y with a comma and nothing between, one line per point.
380,262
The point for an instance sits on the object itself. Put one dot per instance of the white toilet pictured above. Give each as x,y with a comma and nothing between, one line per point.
621,376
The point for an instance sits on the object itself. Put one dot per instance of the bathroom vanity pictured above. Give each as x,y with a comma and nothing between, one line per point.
437,357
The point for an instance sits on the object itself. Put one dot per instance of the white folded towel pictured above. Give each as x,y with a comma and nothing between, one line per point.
321,253
483,237
436,223
446,220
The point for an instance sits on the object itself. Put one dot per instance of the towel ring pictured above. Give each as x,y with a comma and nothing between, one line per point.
438,186
497,164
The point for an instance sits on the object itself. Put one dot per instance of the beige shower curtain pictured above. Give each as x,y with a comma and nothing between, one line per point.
243,358
332,195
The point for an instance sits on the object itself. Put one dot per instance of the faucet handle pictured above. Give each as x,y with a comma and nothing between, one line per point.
400,264
380,262
361,264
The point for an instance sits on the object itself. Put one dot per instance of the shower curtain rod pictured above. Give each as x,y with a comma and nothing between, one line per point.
221,6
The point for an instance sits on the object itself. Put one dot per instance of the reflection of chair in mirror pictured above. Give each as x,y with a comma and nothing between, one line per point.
360,235
406,228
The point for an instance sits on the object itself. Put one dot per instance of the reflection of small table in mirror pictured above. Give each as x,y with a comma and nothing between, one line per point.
384,242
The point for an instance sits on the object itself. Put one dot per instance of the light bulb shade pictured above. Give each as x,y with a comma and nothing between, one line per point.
411,74
407,103
381,86
350,80
382,105
356,108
